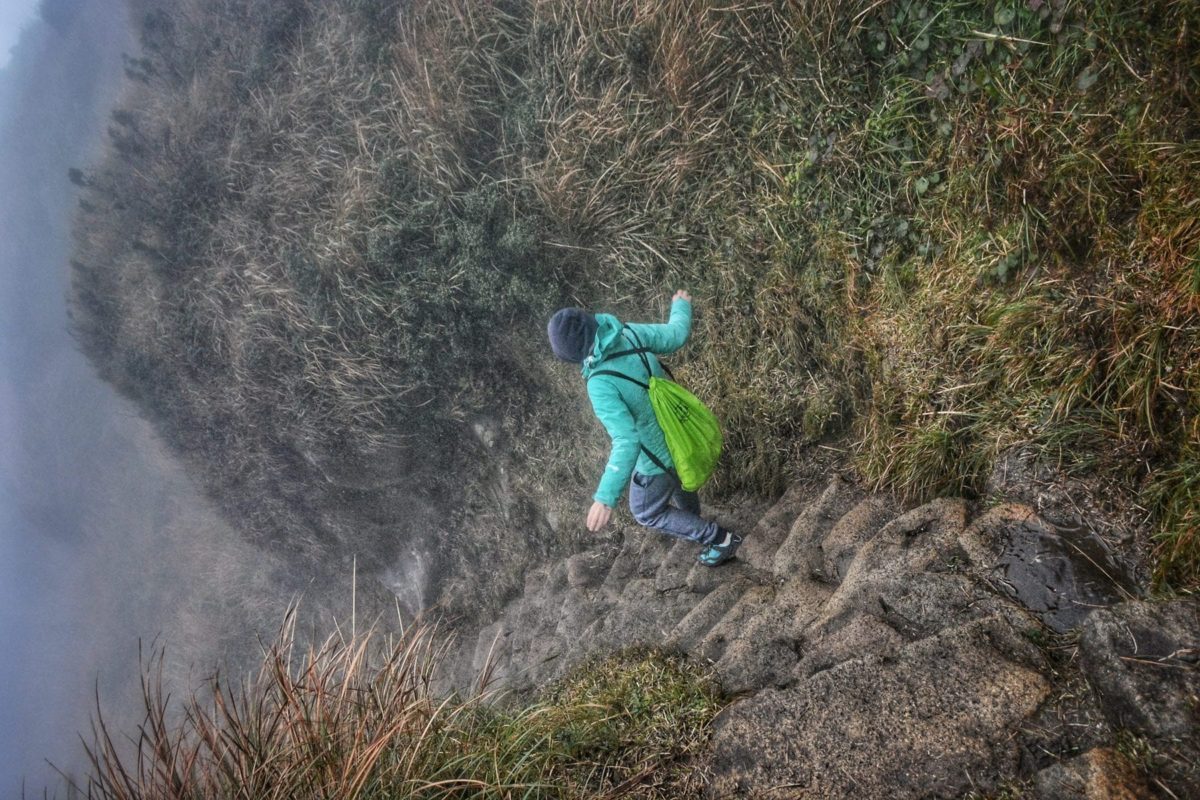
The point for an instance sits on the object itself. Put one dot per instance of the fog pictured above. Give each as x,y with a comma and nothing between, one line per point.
104,540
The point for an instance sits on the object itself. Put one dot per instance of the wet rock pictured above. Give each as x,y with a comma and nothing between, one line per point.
1059,572
1143,660
934,721
1022,475
1100,774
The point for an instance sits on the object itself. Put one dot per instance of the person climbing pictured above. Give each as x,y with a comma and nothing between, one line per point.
615,360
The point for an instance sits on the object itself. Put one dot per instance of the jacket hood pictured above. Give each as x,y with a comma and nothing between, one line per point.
608,331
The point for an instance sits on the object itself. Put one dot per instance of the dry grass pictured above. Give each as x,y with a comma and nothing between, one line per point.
355,718
946,227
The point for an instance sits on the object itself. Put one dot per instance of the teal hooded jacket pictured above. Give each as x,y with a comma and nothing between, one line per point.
624,407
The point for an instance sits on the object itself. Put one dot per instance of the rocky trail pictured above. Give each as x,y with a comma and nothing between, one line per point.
873,653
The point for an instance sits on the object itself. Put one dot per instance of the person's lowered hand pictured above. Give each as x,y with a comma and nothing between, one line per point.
598,517
681,295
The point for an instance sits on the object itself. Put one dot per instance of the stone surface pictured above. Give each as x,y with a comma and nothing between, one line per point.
752,602
842,640
869,656
858,526
799,553
702,579
624,565
764,653
642,616
935,721
1099,774
673,571
1060,573
764,538
706,613
923,539
587,570
1143,660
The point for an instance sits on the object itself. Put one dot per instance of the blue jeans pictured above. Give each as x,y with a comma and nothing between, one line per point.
650,499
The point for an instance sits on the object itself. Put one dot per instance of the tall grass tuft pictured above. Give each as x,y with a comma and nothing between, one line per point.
354,718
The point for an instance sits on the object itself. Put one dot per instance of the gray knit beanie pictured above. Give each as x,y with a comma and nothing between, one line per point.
572,332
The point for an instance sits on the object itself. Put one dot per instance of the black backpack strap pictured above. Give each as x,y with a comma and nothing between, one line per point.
658,463
641,350
616,374
619,353
653,458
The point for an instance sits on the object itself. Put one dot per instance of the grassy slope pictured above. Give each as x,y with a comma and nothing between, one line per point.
956,226
947,227
354,718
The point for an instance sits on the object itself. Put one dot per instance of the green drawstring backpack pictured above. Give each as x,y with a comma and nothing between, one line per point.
692,432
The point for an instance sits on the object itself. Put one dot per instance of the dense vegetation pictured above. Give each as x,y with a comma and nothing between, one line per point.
938,228
355,718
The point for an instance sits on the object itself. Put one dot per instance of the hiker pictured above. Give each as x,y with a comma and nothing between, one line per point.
639,455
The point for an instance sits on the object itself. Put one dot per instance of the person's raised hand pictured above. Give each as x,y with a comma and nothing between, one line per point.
598,517
681,295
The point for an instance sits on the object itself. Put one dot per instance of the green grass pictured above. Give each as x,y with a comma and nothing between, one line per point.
356,719
938,228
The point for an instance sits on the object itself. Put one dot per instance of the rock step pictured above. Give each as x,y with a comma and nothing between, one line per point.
623,567
800,552
769,532
703,615
747,617
750,604
923,539
872,653
766,650
647,589
853,529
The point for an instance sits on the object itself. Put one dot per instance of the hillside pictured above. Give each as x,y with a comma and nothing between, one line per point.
955,245
323,245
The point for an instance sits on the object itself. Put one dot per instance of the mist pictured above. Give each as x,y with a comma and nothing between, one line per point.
107,545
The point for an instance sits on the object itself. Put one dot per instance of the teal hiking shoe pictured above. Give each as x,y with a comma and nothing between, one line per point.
715,554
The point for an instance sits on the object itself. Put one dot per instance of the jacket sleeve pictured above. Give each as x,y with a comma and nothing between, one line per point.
618,421
669,337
